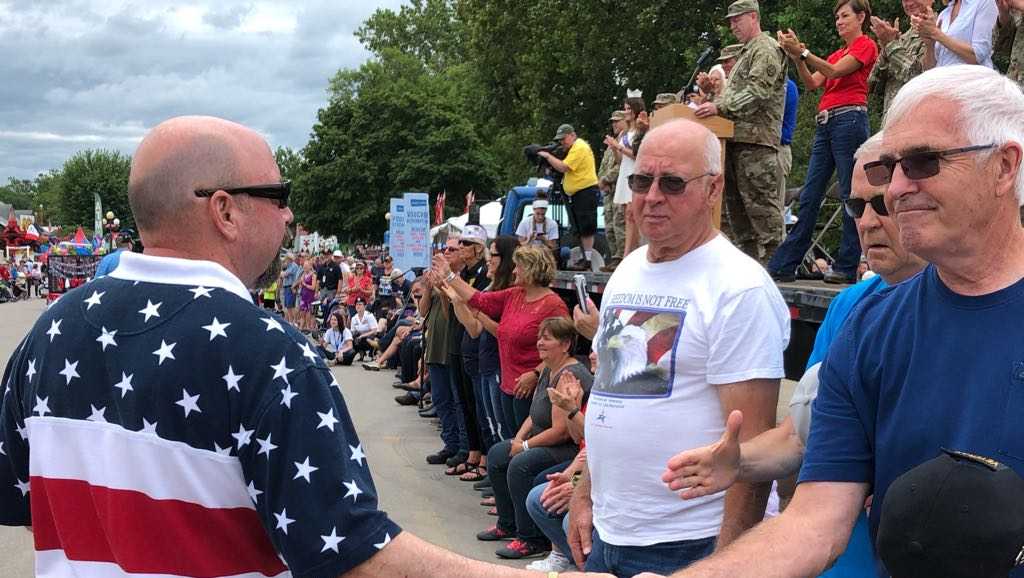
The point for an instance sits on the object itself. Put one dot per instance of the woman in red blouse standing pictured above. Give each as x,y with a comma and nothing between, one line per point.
360,286
521,308
842,127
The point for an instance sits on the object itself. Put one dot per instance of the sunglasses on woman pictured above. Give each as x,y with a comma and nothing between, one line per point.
641,184
916,166
855,207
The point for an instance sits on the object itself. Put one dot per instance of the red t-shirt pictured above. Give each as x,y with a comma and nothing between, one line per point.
517,330
852,89
359,287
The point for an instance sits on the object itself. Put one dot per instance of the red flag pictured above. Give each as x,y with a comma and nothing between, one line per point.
439,208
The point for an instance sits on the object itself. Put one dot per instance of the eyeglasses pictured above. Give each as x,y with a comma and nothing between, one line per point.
916,166
855,207
669,184
467,244
276,191
448,249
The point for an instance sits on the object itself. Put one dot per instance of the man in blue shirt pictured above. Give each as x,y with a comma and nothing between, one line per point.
289,277
111,261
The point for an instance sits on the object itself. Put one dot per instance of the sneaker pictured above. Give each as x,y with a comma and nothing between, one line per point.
406,399
840,279
371,366
555,562
780,277
493,534
518,549
440,457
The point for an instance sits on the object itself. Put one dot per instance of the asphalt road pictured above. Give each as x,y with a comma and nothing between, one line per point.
419,497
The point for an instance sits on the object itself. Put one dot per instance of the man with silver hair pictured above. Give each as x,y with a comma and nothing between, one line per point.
898,385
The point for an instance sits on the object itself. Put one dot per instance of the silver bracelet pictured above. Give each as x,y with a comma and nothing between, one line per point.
526,445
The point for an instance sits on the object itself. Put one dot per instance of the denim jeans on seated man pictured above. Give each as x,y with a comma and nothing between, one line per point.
552,524
664,558
512,479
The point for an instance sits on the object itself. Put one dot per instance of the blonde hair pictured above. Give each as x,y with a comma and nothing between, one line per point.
536,265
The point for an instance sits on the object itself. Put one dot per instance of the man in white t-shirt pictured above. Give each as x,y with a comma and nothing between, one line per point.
538,229
689,329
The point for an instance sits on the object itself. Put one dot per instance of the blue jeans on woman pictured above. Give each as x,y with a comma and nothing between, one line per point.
663,559
491,383
832,151
485,421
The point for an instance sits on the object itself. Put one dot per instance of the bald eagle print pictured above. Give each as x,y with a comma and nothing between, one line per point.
636,352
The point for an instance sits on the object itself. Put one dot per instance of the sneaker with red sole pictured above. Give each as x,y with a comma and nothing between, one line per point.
493,534
518,549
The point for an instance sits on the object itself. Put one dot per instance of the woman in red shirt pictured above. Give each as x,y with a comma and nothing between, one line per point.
360,286
521,308
842,127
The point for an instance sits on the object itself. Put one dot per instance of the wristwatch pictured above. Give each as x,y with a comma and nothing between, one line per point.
450,277
805,54
573,413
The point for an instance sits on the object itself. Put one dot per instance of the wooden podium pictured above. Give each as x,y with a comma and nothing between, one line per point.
722,128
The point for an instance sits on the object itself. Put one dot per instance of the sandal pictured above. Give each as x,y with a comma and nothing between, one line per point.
461,469
488,502
492,512
474,474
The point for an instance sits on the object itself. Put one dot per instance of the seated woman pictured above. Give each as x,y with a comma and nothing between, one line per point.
542,442
336,343
364,328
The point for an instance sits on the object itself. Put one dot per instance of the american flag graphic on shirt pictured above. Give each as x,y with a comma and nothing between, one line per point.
160,429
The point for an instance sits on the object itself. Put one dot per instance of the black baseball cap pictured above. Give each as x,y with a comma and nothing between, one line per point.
959,515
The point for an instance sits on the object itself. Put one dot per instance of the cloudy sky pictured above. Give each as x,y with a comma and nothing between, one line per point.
79,74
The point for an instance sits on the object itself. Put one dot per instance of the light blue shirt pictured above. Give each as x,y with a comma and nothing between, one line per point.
973,25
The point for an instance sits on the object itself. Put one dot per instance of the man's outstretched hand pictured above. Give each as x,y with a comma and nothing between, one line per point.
709,469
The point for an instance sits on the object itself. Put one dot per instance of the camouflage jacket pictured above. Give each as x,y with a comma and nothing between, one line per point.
900,60
1007,38
755,97
608,173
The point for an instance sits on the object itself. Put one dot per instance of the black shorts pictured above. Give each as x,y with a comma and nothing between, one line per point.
583,210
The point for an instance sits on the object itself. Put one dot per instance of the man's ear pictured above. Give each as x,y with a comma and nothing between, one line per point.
226,215
1009,157
715,189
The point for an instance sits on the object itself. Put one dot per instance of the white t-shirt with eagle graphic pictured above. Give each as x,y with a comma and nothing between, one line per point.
669,334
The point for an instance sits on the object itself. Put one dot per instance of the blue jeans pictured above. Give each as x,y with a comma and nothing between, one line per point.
484,413
832,151
664,559
491,383
447,411
553,525
514,411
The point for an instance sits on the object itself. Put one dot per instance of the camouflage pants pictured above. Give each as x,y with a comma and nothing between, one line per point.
752,216
613,233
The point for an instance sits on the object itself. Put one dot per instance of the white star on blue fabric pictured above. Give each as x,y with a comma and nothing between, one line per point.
107,338
331,542
254,494
149,428
54,329
201,292
151,310
31,370
243,436
265,446
387,540
164,352
222,451
22,431
327,419
231,380
190,403
2,452
307,351
97,414
283,520
42,406
353,490
304,469
23,486
70,371
286,396
272,324
94,299
216,329
357,454
125,385
281,370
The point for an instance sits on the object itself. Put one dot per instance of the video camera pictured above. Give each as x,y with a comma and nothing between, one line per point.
544,168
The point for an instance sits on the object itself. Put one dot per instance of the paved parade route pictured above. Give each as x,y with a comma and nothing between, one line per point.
419,497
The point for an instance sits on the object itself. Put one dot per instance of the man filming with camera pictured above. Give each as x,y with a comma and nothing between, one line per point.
580,186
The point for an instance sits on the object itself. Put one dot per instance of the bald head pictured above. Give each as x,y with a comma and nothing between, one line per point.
684,139
188,153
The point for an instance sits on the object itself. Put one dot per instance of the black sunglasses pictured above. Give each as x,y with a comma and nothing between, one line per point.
669,184
276,191
855,207
916,166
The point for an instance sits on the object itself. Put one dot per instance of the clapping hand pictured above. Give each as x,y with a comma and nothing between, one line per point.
439,266
610,142
704,82
925,23
709,469
790,43
450,292
568,393
885,32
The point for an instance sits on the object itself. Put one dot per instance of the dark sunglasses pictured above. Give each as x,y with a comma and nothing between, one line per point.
855,207
669,184
278,192
448,249
468,244
916,166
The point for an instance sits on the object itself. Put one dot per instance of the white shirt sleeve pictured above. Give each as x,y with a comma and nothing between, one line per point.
746,337
523,230
552,230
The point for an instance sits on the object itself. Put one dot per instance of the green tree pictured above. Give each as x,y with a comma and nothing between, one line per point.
95,171
21,193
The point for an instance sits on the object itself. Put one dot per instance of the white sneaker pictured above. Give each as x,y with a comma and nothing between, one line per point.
555,562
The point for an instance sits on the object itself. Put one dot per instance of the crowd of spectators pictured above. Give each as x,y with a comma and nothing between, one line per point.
21,279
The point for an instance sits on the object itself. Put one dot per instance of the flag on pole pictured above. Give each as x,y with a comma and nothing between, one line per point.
439,208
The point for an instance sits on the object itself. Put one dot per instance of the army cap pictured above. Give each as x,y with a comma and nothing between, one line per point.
564,130
666,98
731,51
742,7
618,115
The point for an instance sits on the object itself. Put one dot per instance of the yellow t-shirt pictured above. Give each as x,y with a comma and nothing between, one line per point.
270,293
582,170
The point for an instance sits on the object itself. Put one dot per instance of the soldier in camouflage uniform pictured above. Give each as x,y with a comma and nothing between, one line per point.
754,99
607,176
901,57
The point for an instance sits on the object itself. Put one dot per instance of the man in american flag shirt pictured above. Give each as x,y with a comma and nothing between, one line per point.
155,422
